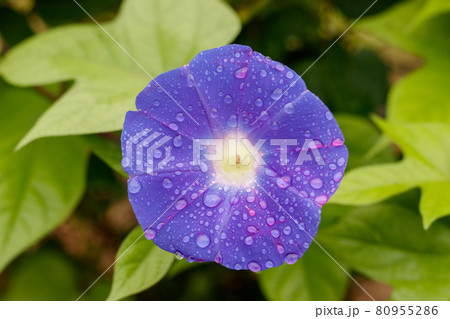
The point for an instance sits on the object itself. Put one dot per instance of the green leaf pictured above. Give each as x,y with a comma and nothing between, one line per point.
430,9
314,277
45,275
353,127
139,265
42,183
426,164
159,34
422,95
108,151
387,243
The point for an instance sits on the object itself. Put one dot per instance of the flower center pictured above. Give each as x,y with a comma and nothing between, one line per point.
238,166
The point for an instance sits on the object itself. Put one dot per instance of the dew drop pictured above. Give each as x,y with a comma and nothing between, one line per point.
270,172
289,108
252,229
203,167
269,264
280,67
186,239
177,141
167,183
180,204
337,177
337,142
241,73
263,204
316,183
321,200
289,74
212,199
280,249
173,126
248,240
156,103
263,73
270,221
287,230
341,161
254,266
291,258
328,115
180,117
284,182
227,99
219,68
150,234
275,233
232,121
258,102
202,240
276,94
134,186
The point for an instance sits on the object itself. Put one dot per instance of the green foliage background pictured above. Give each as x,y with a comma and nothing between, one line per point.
65,87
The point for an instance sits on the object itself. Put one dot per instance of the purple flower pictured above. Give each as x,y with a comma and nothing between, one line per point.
231,159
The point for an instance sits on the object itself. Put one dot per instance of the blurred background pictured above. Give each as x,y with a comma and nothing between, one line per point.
373,66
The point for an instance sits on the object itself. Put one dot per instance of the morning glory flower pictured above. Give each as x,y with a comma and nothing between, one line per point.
230,159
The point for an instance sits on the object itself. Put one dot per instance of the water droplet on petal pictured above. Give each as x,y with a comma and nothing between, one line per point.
219,68
186,239
241,73
173,126
321,200
276,94
232,121
341,161
263,73
180,117
280,249
177,141
337,142
289,108
237,267
280,67
218,257
316,183
258,102
252,229
291,258
287,230
270,221
284,182
263,204
202,240
270,172
289,74
156,103
337,177
328,115
212,199
150,234
275,233
248,240
180,204
167,183
134,186
269,264
227,99
203,167
254,266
